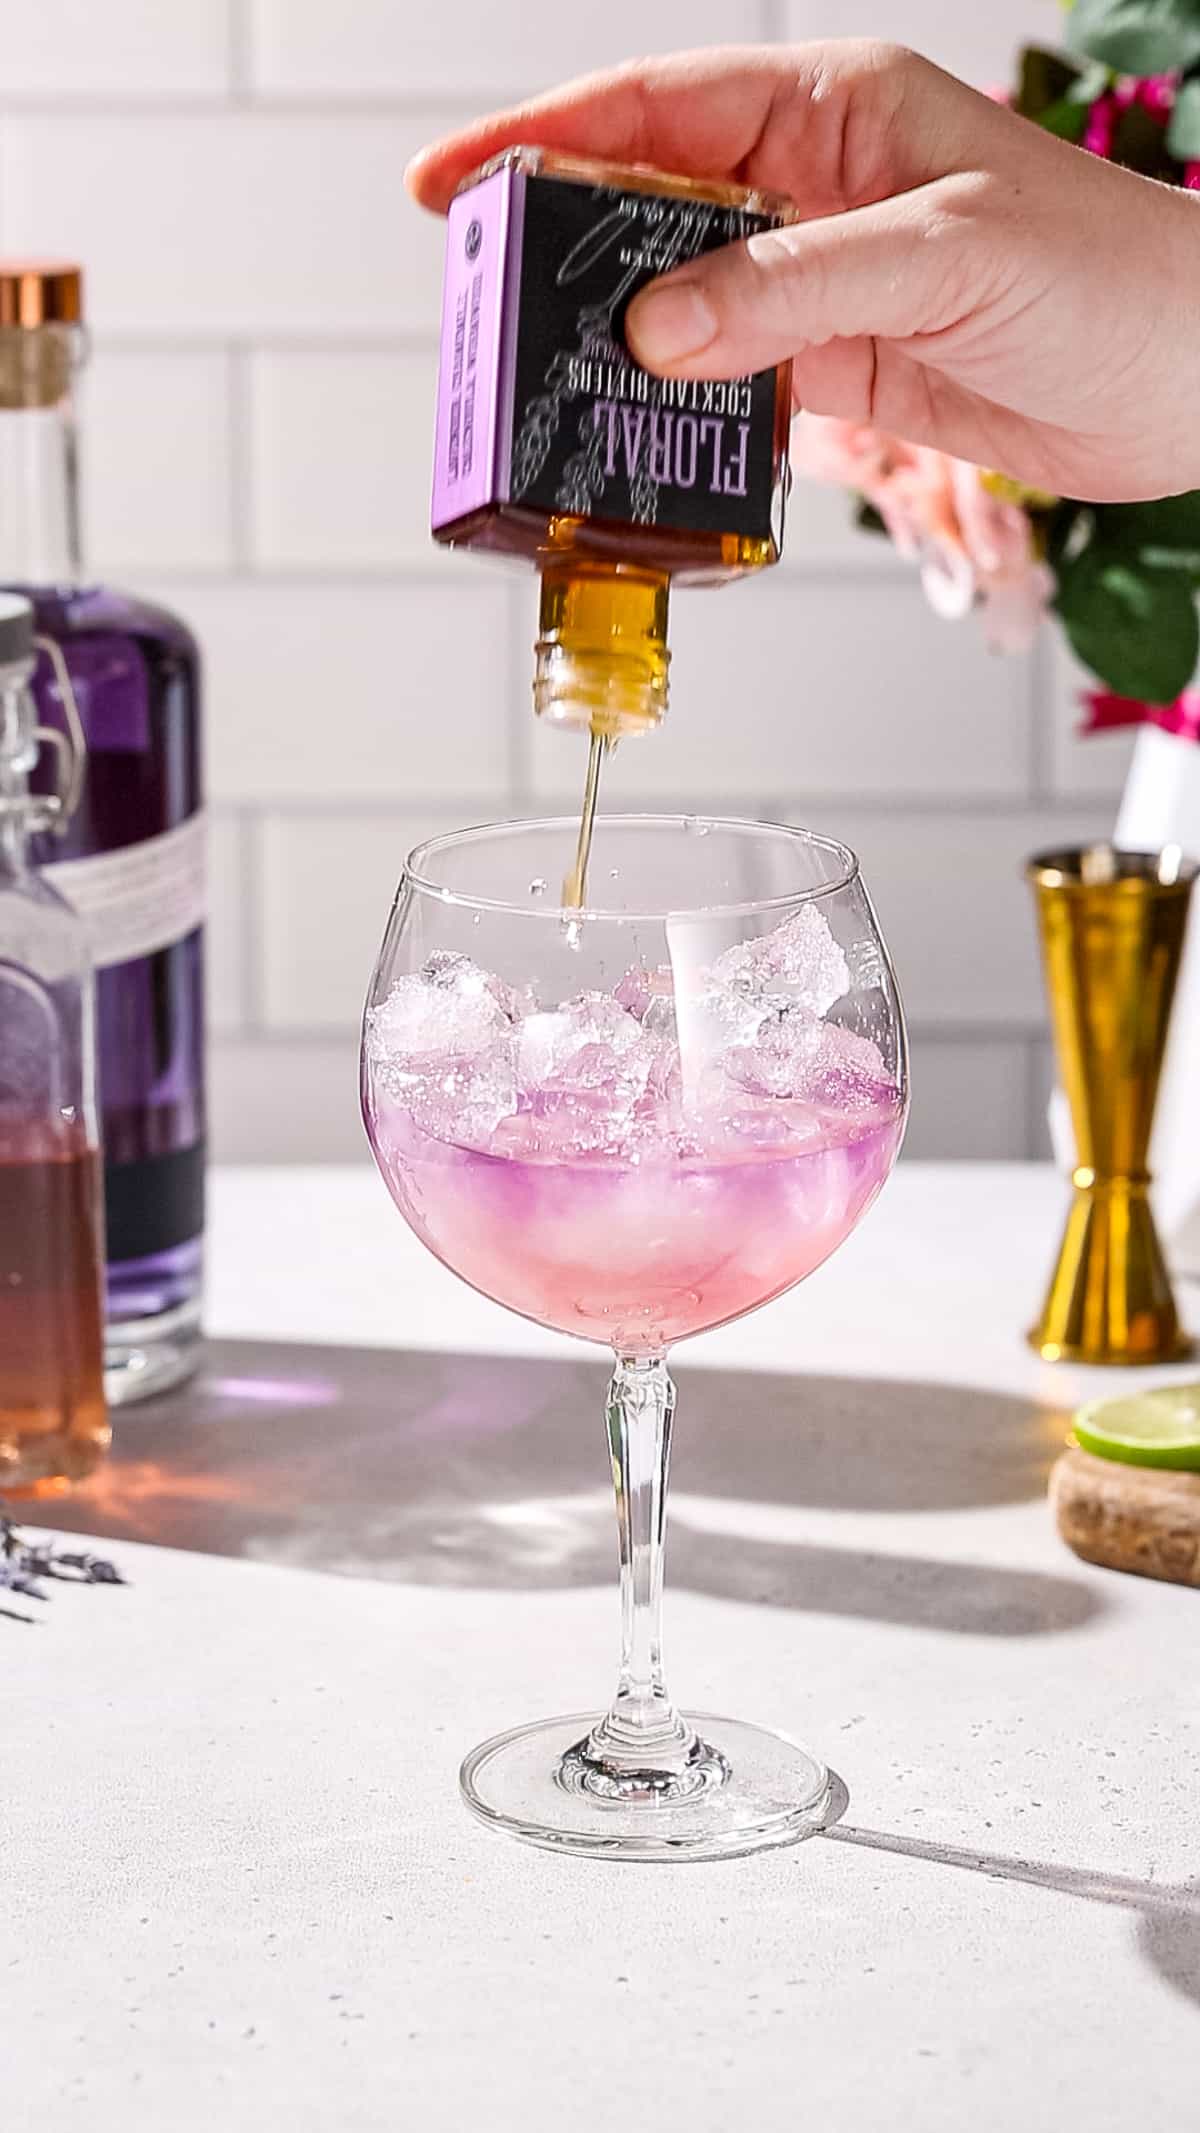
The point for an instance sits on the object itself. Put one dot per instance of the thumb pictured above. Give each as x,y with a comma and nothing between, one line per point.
909,265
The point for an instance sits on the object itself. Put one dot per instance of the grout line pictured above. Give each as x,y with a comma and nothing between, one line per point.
1043,711
241,68
773,19
1031,1104
83,103
245,102
1015,1029
881,810
417,574
247,921
286,1038
428,560
253,922
1035,1123
240,500
455,808
269,341
518,707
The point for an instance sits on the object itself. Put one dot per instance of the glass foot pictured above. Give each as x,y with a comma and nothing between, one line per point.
146,1356
750,1790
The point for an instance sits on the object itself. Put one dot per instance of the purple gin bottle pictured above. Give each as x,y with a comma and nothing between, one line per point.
132,860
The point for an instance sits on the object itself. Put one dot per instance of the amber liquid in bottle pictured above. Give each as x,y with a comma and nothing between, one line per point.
53,1423
614,485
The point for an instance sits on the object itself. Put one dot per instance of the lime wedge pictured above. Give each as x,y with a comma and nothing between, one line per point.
1147,1429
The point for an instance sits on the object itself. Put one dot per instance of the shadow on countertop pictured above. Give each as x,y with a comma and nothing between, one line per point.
487,1471
1167,1913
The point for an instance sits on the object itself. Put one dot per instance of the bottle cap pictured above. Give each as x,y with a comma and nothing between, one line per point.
16,630
40,292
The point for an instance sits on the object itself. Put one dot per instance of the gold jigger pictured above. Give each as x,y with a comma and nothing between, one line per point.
1112,926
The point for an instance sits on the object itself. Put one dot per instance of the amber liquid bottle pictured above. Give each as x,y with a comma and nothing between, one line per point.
53,1422
555,446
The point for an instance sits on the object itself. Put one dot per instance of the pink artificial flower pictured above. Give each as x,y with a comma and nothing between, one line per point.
1101,127
972,547
1155,93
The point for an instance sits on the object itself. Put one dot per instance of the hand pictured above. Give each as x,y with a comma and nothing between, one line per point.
958,277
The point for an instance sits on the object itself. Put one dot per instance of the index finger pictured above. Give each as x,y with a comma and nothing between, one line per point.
831,125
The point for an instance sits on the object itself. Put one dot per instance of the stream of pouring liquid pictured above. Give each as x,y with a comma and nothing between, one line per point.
574,888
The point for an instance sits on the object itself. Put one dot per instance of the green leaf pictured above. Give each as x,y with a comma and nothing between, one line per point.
1137,36
867,518
1093,82
1064,522
1183,129
1186,560
1043,80
1137,629
1065,118
1164,522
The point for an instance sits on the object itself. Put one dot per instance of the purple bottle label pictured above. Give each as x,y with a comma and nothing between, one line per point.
540,402
469,378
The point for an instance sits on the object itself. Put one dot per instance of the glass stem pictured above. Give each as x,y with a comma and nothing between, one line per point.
642,1733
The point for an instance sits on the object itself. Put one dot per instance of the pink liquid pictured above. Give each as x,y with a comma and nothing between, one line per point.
636,1256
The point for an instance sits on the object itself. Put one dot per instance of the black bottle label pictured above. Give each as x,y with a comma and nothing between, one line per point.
594,435
540,402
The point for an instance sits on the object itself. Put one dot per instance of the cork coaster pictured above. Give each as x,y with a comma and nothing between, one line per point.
1140,1518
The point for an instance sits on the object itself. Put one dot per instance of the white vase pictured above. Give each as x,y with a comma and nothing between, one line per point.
1161,806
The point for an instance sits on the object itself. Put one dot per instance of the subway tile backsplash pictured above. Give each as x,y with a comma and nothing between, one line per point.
264,304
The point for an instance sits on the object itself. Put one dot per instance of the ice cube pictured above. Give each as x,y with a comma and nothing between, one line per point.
659,1020
849,1074
542,1039
634,990
799,959
464,1100
584,1066
714,1024
576,1043
781,1057
641,985
441,1046
452,972
664,1081
446,1010
799,1056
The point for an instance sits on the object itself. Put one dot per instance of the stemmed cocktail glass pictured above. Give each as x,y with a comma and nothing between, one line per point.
632,1123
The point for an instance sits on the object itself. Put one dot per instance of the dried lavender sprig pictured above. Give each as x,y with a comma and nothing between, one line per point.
23,1561
19,1577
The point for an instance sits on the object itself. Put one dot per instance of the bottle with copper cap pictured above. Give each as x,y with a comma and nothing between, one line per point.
131,859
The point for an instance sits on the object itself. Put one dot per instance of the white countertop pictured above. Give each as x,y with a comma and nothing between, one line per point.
240,1893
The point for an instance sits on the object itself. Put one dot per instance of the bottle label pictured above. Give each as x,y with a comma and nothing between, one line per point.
540,402
153,1204
141,898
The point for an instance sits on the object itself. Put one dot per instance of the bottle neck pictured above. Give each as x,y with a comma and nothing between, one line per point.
18,754
39,482
601,654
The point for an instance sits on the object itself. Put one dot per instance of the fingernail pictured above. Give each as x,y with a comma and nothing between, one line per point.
672,320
